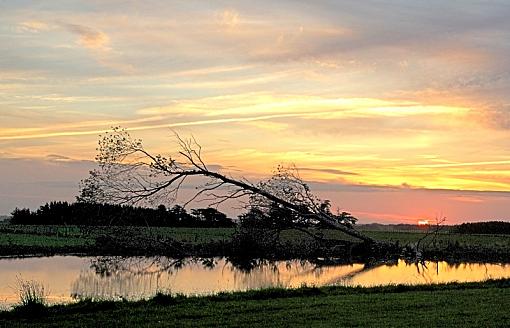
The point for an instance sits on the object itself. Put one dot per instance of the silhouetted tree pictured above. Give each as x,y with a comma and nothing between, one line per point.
211,217
22,216
129,174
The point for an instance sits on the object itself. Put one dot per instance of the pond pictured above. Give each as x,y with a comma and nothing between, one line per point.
70,278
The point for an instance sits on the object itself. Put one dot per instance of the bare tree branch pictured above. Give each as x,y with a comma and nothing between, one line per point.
129,174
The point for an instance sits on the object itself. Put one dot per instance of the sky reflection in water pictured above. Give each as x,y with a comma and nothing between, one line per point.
68,277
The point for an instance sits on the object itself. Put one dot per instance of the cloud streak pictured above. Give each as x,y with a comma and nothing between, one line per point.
149,127
265,109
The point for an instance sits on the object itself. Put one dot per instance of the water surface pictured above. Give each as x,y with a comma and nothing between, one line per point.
68,278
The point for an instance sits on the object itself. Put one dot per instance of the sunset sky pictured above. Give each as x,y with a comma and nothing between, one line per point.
395,110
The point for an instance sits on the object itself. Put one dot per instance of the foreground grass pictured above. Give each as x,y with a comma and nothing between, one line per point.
450,305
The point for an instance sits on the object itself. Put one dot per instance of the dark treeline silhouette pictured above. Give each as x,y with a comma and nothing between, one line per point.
489,227
92,214
280,218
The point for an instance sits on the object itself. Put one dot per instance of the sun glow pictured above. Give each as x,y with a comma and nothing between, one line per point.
423,222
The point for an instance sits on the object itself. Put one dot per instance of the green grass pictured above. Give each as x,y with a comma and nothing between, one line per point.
57,230
194,235
189,235
451,305
10,239
444,238
72,236
440,240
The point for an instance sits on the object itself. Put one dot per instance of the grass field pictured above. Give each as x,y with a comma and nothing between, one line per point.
452,305
42,240
59,235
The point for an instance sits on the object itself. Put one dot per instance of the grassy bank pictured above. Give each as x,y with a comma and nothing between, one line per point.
47,240
448,305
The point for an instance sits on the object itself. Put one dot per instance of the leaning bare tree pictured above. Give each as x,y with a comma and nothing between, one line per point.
130,174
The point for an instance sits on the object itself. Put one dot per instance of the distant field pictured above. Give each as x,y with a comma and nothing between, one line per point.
444,238
192,235
73,236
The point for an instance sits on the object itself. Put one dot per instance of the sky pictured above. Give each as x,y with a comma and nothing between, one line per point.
395,110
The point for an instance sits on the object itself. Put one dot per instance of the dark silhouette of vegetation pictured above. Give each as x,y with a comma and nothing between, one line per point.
32,298
94,214
261,227
489,227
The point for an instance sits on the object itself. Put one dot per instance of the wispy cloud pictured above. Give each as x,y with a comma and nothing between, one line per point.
145,127
506,162
89,37
327,170
33,26
267,103
467,199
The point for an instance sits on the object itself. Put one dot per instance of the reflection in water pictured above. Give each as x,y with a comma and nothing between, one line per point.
71,277
133,278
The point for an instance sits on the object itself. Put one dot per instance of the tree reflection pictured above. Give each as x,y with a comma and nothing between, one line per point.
106,266
139,277
128,276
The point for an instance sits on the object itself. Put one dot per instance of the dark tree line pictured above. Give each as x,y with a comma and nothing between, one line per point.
489,227
93,214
